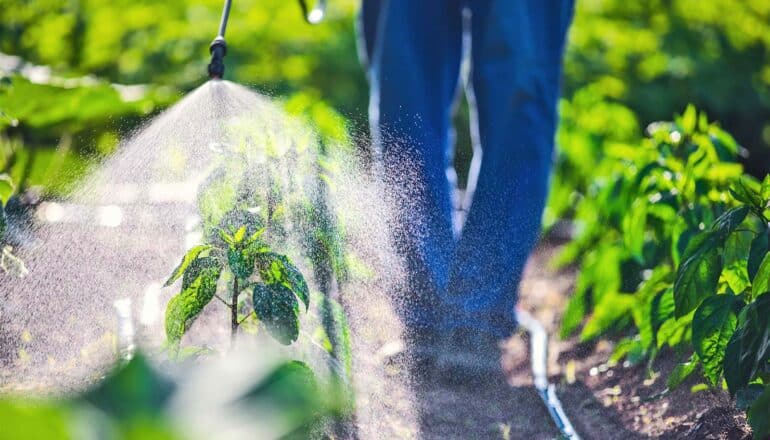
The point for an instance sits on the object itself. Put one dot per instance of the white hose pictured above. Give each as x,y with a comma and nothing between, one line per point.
539,359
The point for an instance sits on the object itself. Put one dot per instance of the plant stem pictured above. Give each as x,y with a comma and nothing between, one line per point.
234,310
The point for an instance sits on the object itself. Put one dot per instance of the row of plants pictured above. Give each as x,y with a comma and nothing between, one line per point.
671,242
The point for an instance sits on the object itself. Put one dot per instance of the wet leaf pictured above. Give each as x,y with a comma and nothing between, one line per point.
278,269
712,326
189,257
199,284
277,308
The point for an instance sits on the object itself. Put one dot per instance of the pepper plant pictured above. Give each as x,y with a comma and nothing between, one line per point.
272,282
724,281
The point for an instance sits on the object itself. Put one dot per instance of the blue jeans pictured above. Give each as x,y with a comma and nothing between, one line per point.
412,50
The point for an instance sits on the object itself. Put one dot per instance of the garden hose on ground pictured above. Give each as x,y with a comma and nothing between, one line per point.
218,47
538,339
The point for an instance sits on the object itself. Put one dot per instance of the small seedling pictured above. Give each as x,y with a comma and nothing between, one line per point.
239,255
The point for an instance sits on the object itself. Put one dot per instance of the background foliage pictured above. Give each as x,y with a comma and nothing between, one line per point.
653,57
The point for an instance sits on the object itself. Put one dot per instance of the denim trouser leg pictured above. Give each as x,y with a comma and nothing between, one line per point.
516,65
414,66
414,49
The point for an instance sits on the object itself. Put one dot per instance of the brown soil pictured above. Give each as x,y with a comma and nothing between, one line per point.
605,401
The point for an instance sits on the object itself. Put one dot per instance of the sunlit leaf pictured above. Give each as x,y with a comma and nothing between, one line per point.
199,285
698,275
187,260
712,326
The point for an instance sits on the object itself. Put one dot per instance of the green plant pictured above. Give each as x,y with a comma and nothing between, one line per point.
275,285
725,278
673,241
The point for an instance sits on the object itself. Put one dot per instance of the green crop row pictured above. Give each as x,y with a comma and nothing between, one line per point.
671,240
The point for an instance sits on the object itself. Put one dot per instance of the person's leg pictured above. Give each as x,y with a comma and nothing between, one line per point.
516,65
413,71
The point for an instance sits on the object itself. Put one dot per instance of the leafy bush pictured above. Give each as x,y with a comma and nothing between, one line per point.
672,239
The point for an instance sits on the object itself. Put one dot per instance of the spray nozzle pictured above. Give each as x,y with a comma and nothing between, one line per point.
218,50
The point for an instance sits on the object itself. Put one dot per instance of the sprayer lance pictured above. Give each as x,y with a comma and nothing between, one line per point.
218,47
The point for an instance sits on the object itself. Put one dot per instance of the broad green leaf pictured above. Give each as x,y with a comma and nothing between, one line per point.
240,259
277,308
681,372
749,348
189,257
729,221
256,235
689,119
199,285
6,189
634,226
761,283
661,310
712,326
239,234
278,269
612,308
294,397
759,247
37,419
698,275
759,414
742,192
134,390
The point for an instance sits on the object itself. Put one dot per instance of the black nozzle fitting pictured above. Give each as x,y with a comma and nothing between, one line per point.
218,50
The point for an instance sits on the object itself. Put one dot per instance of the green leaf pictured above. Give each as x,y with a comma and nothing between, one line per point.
681,372
698,275
191,255
759,247
729,221
759,414
294,397
689,119
742,192
712,326
277,308
6,188
748,351
634,225
278,269
239,234
761,283
612,308
133,391
199,285
661,310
